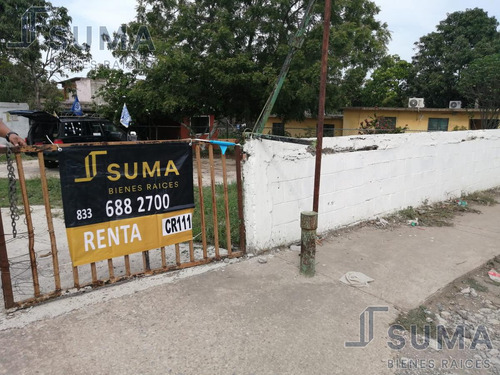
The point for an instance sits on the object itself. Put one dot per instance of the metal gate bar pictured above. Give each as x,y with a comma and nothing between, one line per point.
193,257
8,295
29,223
202,202
111,270
239,187
50,223
214,200
226,204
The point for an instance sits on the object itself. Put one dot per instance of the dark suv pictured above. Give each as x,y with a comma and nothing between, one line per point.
46,128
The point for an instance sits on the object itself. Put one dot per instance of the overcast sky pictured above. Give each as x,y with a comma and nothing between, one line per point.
407,20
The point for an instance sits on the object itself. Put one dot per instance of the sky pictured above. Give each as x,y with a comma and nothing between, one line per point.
407,21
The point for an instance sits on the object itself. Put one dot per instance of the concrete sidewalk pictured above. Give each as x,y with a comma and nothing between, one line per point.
252,317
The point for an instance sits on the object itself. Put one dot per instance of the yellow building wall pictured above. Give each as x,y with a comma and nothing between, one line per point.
303,129
416,120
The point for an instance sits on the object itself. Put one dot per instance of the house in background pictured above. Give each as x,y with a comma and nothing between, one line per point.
304,129
201,126
417,119
85,88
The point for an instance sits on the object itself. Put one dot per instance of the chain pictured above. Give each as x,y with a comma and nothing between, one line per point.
14,210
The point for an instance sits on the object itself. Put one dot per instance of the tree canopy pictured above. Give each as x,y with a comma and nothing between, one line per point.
223,56
443,55
480,84
388,85
37,43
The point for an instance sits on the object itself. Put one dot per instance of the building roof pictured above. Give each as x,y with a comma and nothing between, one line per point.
408,109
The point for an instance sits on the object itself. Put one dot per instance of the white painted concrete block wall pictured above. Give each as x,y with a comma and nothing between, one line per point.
403,171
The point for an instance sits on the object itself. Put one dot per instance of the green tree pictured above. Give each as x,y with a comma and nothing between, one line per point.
37,38
388,85
480,85
223,56
14,83
442,55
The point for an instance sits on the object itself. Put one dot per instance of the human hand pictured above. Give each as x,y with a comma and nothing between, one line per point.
16,140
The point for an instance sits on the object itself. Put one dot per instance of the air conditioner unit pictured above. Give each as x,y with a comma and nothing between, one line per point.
416,103
455,104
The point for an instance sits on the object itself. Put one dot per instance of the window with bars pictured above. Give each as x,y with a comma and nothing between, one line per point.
278,128
328,130
438,124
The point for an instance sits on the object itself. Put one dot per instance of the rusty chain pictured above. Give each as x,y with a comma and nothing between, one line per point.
11,175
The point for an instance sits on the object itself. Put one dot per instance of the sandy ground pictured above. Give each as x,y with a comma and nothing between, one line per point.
260,316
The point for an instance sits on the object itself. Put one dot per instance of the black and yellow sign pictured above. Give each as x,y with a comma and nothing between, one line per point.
124,199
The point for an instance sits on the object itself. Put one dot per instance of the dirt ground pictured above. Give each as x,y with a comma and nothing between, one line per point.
472,302
31,170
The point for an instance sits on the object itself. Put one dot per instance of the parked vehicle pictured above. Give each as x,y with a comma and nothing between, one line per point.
46,128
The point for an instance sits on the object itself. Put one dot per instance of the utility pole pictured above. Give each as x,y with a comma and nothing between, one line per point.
321,110
309,219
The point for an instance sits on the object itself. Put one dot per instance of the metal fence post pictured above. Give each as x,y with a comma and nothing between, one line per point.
308,224
8,296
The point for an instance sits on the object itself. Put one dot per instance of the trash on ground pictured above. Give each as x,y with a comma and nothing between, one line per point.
413,223
295,247
356,279
382,222
462,203
494,275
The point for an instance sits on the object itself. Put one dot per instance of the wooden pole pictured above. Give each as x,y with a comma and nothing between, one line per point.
308,224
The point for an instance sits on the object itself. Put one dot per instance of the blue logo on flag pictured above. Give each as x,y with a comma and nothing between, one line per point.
76,108
125,117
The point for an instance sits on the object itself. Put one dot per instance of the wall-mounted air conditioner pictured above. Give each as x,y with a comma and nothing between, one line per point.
416,103
455,104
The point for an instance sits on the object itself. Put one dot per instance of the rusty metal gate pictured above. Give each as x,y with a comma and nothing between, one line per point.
34,270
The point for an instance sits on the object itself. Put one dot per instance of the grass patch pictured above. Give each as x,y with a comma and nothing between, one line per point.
34,188
473,283
24,156
484,198
417,318
434,215
221,216
441,214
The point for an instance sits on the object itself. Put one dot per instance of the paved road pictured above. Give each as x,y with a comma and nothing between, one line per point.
255,316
